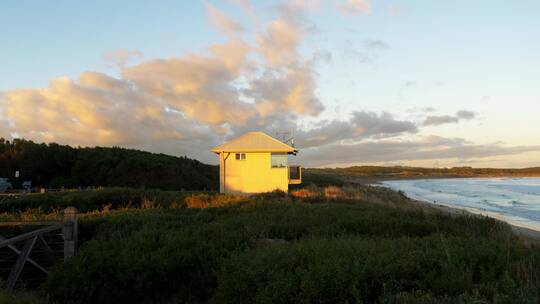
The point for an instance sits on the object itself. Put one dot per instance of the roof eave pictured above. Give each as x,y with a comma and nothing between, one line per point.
217,151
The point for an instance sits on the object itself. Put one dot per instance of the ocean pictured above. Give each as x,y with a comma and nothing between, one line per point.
514,200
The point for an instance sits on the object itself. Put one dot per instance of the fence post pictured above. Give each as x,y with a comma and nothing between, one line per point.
69,232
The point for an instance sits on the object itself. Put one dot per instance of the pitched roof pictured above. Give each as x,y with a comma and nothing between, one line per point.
254,142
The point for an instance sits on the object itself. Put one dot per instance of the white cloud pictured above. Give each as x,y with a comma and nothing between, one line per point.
187,104
199,86
280,42
97,109
353,7
198,97
121,57
221,21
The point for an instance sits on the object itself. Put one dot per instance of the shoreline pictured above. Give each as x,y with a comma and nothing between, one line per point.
526,234
379,180
529,235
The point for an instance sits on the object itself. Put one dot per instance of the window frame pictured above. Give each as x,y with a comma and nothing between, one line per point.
240,156
286,155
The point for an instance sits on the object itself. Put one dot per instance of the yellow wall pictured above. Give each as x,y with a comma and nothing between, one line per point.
252,175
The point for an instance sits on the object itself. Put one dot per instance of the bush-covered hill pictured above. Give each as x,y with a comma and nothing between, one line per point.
355,244
55,166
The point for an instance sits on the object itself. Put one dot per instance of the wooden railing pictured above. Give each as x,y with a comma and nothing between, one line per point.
68,229
295,175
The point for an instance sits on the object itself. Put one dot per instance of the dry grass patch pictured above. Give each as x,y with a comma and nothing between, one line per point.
333,192
304,193
203,201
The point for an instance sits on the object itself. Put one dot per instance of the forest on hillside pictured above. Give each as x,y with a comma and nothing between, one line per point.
55,166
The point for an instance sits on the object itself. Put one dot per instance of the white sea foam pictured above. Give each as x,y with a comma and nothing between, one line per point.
514,200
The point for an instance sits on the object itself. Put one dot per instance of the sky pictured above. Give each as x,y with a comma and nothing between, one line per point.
382,82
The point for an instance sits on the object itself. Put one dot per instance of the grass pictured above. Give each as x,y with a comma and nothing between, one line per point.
321,245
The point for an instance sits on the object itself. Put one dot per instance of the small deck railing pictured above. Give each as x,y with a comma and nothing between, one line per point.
295,175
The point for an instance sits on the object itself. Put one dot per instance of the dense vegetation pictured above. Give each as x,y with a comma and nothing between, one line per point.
355,244
380,172
56,166
318,244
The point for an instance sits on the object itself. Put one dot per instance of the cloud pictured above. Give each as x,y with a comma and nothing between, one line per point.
247,7
196,98
289,90
162,99
280,42
121,57
407,150
463,114
221,21
353,7
362,125
97,109
198,86
381,125
440,120
422,110
295,11
187,104
445,119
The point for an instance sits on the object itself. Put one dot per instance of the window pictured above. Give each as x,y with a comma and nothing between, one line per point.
280,160
240,156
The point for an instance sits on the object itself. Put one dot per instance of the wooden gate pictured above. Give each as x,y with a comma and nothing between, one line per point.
66,229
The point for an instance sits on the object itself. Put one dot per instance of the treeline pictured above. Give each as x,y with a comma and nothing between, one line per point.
55,166
404,171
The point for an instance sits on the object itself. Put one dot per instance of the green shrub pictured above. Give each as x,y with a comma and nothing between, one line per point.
314,177
354,244
368,271
269,250
91,200
62,182
20,298
172,254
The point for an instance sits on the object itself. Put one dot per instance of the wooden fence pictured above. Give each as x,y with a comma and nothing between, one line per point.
42,238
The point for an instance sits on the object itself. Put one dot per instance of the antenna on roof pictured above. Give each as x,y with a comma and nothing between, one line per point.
287,137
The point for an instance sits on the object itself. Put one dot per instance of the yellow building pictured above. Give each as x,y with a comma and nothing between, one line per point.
254,163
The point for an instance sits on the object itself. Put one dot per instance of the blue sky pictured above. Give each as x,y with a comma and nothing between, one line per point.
409,59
